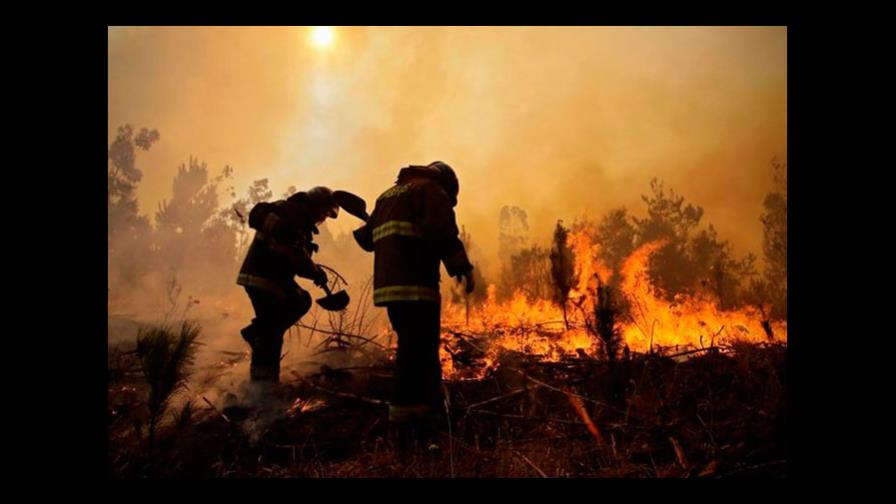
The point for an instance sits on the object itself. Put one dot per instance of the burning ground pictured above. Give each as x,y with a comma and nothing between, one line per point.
610,378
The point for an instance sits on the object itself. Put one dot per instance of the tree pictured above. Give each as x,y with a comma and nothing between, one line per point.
531,270
193,236
513,235
193,201
128,232
722,274
774,241
123,172
668,217
237,214
605,321
693,260
616,236
562,268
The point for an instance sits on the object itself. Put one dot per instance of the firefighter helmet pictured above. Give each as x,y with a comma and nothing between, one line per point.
447,179
322,199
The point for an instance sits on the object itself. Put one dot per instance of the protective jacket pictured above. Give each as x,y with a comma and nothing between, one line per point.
282,247
411,229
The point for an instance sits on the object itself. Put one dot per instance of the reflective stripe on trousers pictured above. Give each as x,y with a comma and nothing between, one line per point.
261,283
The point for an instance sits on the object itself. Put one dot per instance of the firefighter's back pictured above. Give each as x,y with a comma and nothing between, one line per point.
405,267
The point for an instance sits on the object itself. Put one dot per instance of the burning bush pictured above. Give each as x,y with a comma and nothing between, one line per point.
606,324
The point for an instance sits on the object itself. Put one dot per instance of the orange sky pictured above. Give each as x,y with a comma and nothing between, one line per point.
557,120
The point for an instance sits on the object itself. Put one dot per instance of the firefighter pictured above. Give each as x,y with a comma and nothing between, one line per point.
410,231
282,249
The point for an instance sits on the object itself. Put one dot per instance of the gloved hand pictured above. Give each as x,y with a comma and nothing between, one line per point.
320,277
467,278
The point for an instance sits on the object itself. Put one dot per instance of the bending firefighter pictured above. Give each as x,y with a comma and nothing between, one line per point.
282,248
410,231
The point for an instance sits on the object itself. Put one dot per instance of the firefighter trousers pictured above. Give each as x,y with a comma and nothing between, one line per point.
274,315
418,373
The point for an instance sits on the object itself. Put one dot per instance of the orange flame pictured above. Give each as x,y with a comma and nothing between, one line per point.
536,327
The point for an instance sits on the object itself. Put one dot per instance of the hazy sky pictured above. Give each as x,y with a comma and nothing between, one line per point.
556,120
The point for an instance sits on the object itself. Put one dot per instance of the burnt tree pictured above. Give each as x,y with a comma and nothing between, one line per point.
562,268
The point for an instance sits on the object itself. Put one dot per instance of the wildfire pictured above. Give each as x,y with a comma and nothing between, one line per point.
537,328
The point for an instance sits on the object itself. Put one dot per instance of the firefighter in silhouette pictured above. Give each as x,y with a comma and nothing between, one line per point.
412,230
282,248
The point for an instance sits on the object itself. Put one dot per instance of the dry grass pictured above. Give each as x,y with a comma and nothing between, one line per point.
719,413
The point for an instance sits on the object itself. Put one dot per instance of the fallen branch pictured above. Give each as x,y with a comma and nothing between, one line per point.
496,399
586,419
345,395
573,394
466,339
553,322
679,452
526,417
689,352
229,352
708,431
532,465
221,414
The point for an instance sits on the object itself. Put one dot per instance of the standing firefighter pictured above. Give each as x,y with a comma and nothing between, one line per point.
411,230
282,249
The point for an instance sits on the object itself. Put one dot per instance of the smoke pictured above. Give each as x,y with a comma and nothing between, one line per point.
558,120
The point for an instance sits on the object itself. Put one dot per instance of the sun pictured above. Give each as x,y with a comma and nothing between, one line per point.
322,36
